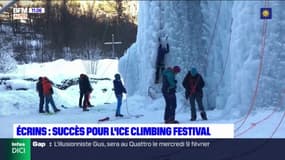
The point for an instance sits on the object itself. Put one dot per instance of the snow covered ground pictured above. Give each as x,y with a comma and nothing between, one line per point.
22,106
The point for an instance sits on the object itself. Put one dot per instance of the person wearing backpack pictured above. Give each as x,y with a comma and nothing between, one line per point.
85,89
119,89
48,92
168,91
193,84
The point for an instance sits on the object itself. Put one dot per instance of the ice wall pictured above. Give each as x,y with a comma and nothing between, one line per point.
223,40
217,23
137,66
253,76
181,22
271,90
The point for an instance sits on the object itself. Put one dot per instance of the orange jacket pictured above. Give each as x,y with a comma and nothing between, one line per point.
46,86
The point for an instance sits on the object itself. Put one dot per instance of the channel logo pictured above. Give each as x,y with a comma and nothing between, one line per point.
22,13
18,148
28,10
266,13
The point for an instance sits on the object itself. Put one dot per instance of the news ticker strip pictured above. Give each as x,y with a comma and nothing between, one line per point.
140,149
123,131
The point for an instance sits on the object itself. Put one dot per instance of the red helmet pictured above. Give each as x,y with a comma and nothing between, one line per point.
176,69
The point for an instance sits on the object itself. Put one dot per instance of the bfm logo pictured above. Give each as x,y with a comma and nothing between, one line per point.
18,150
20,10
28,10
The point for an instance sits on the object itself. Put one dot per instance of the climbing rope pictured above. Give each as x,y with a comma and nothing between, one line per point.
126,100
265,118
278,125
271,114
261,55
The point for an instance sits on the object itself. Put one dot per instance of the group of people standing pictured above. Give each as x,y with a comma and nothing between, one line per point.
86,89
45,92
193,84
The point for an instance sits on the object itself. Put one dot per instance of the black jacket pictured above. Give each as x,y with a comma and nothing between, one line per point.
119,89
84,84
196,82
40,88
161,54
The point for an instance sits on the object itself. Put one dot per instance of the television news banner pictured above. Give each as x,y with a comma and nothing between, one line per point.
128,141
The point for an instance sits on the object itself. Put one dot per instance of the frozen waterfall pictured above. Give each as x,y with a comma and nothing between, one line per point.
224,40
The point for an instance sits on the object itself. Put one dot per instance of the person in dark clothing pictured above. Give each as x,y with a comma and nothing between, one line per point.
168,91
81,88
48,92
119,89
160,61
85,91
193,84
41,95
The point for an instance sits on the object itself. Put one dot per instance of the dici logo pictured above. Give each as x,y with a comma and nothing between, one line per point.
19,149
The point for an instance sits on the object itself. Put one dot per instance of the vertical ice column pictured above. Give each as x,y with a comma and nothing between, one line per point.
271,90
217,24
244,59
138,64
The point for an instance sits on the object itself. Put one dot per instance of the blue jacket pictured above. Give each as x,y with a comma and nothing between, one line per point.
119,89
